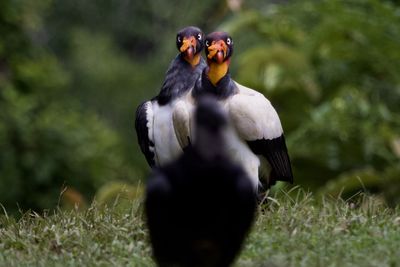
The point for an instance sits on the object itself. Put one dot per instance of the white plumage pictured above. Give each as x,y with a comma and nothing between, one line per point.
252,117
148,106
166,145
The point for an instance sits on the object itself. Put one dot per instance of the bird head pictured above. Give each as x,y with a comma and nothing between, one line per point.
219,47
190,42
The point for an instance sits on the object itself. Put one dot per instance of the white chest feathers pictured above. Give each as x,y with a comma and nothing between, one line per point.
166,146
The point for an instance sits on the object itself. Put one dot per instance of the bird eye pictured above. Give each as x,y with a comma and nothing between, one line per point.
178,39
199,36
228,41
207,43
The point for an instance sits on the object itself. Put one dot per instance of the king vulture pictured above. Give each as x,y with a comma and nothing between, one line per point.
259,143
153,122
200,207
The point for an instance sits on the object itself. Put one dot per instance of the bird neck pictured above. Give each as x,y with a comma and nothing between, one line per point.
217,71
195,61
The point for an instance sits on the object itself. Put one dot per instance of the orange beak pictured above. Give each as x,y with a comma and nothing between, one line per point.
217,50
189,47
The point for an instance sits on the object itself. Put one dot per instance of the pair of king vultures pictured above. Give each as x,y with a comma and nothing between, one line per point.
213,145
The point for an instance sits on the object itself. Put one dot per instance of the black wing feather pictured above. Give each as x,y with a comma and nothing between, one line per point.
275,151
143,134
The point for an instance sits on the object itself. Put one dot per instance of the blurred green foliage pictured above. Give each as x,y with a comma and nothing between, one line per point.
71,76
46,140
73,72
117,52
332,69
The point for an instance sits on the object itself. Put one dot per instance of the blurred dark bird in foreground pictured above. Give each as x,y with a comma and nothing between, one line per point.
200,207
153,122
260,145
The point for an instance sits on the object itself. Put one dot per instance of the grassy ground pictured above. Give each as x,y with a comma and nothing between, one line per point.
288,232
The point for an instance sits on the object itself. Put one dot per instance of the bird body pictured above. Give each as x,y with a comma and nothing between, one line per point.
251,115
199,208
258,142
153,122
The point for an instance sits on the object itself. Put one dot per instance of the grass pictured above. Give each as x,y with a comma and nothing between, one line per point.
289,231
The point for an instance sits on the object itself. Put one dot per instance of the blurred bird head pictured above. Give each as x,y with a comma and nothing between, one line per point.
219,47
211,123
190,42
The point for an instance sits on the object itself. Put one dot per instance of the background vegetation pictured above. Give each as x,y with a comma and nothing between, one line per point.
73,72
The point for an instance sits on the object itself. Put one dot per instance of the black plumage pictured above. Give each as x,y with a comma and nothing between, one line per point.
146,145
222,90
200,207
275,151
181,75
179,78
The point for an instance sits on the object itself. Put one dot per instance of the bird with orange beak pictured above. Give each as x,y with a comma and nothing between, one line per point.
218,52
258,142
154,129
188,44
